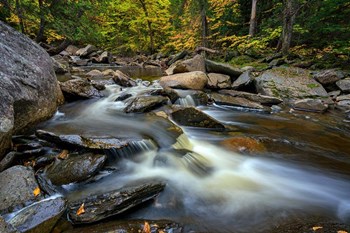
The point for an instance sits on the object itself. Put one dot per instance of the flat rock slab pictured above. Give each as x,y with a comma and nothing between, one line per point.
39,217
85,142
101,206
327,77
344,85
143,104
80,89
235,101
17,185
75,168
262,99
195,118
222,68
289,83
310,105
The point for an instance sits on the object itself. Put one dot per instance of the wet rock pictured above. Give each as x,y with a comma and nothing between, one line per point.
16,188
71,50
289,83
242,81
95,74
79,89
39,217
28,85
98,144
6,228
101,206
244,145
344,85
262,99
310,105
194,64
177,57
123,80
123,97
222,68
195,118
132,226
8,160
218,81
235,101
327,77
145,103
75,168
84,52
192,80
171,94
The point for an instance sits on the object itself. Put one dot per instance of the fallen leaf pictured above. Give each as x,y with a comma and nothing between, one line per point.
342,232
36,191
316,228
146,228
63,155
81,209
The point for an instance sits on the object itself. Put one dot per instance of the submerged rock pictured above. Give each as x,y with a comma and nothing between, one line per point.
222,68
39,217
218,81
235,101
262,99
195,118
86,142
289,83
143,104
17,185
192,80
29,90
79,89
101,206
244,145
310,105
75,168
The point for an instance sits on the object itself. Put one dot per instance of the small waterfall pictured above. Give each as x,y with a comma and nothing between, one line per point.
132,149
186,101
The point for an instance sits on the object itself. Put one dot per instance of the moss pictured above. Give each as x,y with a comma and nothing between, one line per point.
313,85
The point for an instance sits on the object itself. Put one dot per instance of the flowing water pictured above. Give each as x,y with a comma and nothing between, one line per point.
305,169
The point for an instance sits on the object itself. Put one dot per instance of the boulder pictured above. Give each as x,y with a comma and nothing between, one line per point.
310,105
8,160
39,217
222,68
75,168
218,81
343,101
344,85
29,90
6,228
235,101
334,94
84,52
277,62
195,118
328,77
105,57
242,81
262,99
81,62
123,97
60,64
17,185
143,104
101,206
98,144
194,64
108,72
95,74
289,83
177,57
123,80
71,50
192,80
244,145
79,88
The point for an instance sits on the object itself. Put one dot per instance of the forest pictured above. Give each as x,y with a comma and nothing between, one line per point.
243,27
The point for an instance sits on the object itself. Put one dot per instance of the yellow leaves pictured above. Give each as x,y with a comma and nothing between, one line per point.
146,228
81,210
36,191
63,155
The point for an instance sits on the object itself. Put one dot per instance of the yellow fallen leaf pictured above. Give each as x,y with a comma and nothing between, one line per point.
342,232
36,191
316,228
63,155
81,209
146,228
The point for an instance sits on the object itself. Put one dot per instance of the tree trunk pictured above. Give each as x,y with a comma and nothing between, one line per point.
20,16
40,35
204,23
253,20
149,25
290,10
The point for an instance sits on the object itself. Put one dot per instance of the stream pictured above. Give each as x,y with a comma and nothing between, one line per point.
303,171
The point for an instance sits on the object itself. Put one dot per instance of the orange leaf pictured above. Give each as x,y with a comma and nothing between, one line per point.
36,191
63,155
81,210
146,228
315,228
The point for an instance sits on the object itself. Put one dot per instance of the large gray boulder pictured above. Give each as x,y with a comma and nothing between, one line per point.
289,83
29,90
194,64
195,80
